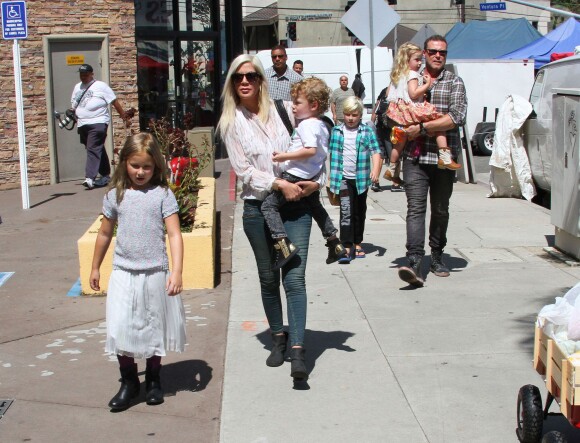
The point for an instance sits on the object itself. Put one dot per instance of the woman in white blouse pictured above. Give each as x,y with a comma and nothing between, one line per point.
252,130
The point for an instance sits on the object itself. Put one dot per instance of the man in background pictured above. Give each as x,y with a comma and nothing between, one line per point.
90,101
280,77
298,67
338,96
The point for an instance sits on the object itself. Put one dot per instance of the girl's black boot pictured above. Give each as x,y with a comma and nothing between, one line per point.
130,385
298,368
276,357
154,391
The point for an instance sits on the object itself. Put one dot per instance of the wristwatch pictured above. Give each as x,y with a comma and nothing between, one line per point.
422,131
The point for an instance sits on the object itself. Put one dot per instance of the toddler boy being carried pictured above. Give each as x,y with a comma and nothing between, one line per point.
304,160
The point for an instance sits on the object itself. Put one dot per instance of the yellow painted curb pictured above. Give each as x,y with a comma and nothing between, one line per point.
198,247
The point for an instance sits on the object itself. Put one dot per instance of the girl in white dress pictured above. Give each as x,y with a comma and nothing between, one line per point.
145,315
407,106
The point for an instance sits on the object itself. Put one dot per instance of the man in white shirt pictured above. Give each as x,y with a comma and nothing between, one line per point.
90,100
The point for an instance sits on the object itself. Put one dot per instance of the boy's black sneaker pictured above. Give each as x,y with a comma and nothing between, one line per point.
336,250
412,273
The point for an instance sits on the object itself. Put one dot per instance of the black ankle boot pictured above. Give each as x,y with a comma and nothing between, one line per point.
298,368
154,392
437,266
130,385
412,274
285,251
276,357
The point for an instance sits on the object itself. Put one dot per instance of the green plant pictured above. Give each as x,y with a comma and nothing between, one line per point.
184,179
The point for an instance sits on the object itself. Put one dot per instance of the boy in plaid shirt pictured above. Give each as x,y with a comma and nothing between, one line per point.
355,162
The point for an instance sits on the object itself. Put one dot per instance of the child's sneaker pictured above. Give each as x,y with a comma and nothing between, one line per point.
285,250
336,250
446,161
392,175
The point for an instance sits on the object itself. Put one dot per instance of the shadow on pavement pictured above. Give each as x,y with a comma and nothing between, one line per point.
316,342
53,197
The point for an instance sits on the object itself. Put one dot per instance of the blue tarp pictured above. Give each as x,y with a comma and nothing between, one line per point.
490,39
562,39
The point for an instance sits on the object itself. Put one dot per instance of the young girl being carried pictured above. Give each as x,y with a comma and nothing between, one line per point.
145,315
407,106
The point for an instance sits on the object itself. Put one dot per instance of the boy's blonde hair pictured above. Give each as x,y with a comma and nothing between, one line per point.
352,104
401,67
142,143
315,90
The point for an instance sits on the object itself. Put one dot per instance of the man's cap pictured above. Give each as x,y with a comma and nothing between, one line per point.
85,68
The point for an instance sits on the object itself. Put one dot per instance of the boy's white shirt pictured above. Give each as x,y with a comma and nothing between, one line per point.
311,132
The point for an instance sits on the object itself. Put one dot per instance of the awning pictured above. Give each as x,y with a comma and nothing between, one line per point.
268,15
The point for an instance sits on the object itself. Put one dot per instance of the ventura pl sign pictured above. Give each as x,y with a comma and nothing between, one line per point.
499,6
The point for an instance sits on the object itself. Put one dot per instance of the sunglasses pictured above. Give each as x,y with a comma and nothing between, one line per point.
251,77
441,52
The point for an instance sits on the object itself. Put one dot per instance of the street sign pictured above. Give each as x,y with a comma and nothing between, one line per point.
370,30
498,6
14,25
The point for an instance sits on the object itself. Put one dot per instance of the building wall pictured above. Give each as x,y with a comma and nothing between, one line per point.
314,27
59,17
441,15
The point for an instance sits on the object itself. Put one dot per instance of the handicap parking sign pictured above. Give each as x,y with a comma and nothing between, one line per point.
14,25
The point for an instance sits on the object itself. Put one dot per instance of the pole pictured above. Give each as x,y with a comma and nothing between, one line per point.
20,122
372,48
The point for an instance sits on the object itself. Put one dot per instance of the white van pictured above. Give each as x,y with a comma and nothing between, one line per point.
331,62
537,129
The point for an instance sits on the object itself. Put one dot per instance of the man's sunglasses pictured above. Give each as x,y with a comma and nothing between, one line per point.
441,52
251,77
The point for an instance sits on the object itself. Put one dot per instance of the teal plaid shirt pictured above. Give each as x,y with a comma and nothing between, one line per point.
366,146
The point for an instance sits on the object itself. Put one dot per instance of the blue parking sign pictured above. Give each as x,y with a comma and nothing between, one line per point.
14,25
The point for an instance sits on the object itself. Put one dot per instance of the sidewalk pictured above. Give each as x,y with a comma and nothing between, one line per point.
390,363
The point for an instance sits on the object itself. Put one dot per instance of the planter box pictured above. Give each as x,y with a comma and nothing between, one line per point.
198,247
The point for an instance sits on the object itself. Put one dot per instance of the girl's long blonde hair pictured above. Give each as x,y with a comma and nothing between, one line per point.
142,143
230,99
401,67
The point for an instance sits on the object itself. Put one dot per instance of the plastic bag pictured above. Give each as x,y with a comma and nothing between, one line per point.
562,316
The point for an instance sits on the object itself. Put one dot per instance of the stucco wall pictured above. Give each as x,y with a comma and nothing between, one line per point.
60,17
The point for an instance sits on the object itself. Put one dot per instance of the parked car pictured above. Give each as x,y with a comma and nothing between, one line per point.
537,129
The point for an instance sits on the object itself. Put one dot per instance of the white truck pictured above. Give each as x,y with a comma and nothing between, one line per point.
538,128
488,82
331,62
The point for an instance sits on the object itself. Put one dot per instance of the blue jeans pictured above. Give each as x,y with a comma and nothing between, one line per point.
421,180
297,222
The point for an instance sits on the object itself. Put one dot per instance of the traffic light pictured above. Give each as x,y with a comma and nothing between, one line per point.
292,31
346,8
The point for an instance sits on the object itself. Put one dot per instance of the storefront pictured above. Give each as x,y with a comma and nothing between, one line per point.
178,62
162,57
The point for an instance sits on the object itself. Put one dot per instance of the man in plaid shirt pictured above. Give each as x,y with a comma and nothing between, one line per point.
422,176
280,77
